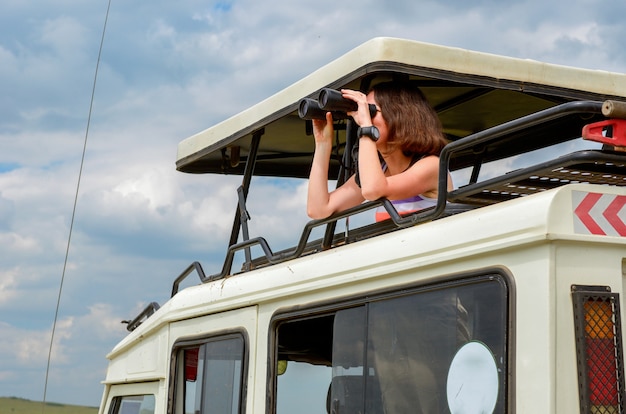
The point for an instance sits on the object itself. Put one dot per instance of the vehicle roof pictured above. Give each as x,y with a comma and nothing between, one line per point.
471,91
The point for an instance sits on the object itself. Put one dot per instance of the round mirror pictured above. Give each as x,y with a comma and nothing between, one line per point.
472,380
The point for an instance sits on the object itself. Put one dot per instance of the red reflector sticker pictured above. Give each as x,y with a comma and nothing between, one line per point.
602,371
191,364
600,214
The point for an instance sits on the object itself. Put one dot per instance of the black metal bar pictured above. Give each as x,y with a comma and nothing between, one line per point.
599,167
345,172
230,254
194,266
145,314
247,178
297,252
476,170
491,134
244,217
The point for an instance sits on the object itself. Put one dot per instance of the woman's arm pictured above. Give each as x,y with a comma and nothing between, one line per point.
420,178
320,202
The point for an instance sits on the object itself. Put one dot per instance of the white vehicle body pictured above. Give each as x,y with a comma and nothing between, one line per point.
496,307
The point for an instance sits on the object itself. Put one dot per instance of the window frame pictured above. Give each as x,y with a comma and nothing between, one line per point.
116,390
323,308
189,342
117,400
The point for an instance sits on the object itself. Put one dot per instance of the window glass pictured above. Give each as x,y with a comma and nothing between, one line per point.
304,365
212,374
393,354
411,343
133,404
303,388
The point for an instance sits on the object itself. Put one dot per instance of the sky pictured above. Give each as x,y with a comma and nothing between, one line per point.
168,70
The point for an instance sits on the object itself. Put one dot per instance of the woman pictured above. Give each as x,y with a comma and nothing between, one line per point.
407,134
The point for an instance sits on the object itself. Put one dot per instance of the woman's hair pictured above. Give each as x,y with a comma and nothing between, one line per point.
412,123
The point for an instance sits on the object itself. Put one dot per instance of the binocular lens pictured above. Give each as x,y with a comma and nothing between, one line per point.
329,100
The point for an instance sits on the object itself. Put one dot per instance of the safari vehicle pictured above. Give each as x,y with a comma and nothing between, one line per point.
504,298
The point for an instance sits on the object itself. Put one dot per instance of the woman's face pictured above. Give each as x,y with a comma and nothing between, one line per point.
377,120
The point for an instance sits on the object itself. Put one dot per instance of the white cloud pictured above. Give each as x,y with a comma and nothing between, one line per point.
13,242
101,322
30,348
24,352
7,284
64,35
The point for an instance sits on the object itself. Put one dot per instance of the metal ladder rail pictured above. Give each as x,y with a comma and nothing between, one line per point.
491,134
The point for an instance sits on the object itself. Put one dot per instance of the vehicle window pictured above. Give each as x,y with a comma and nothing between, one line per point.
395,354
133,404
211,375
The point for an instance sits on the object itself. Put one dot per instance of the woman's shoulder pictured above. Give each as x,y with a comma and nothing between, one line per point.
425,165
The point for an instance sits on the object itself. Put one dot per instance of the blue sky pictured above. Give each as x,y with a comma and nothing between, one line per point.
169,70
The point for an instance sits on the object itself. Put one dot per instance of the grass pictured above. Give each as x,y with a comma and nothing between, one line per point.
14,405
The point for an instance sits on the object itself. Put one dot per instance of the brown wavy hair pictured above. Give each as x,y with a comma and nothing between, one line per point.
412,123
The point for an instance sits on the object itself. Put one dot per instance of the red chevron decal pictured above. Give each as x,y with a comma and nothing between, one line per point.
582,211
611,214
600,214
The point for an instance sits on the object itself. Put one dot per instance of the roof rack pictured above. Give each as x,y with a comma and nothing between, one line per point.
605,167
598,167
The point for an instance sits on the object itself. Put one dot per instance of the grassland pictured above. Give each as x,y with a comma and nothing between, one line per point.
12,405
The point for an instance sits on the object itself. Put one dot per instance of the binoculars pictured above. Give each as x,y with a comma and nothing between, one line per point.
329,100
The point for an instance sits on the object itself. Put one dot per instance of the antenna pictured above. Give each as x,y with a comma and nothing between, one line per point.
69,238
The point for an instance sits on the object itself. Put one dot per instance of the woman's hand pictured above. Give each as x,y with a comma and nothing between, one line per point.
323,130
362,115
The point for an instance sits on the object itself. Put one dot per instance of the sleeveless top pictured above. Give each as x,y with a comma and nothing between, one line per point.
407,205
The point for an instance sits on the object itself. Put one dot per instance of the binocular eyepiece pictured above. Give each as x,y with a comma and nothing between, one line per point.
329,100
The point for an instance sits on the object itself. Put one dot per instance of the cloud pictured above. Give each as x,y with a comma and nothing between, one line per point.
30,348
7,285
24,353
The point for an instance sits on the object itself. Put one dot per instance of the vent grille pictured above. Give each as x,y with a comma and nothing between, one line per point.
599,350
